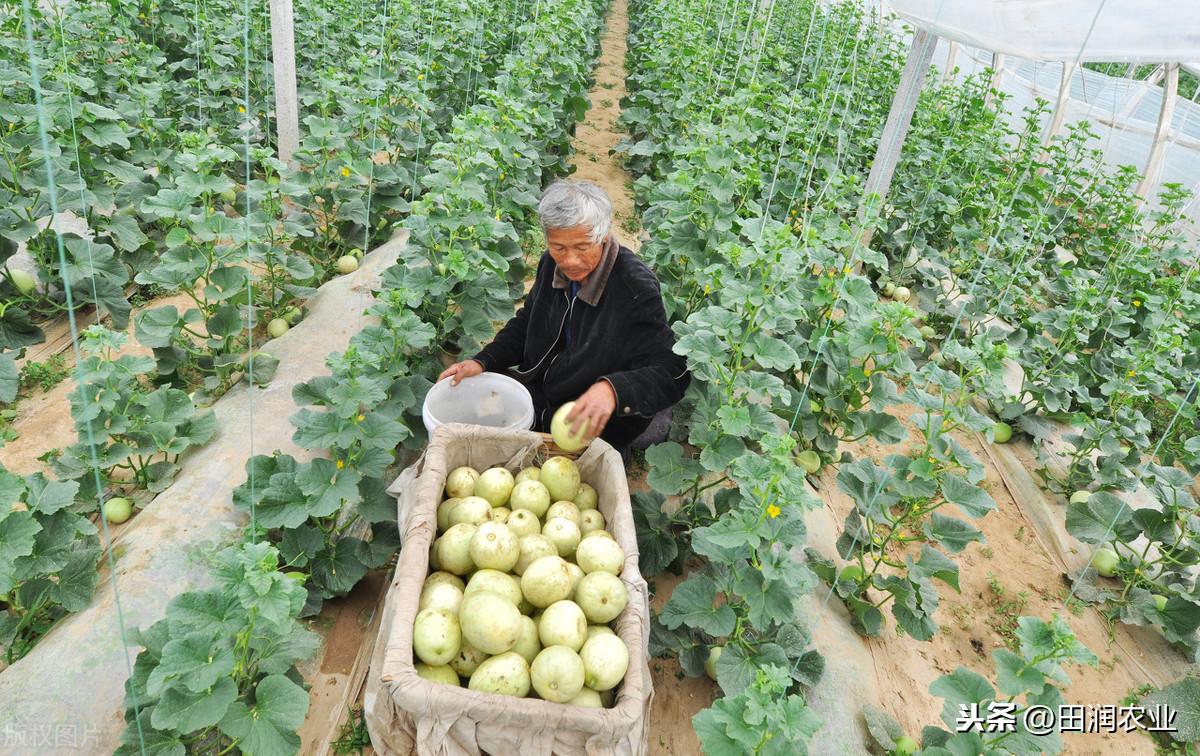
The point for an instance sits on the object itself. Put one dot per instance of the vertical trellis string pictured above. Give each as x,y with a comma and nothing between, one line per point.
52,197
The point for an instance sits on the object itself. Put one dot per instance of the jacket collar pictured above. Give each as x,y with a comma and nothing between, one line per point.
593,286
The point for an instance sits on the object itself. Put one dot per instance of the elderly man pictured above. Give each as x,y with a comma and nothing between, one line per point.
592,329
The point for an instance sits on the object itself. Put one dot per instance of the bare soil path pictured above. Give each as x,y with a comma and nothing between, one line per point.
43,420
1011,575
598,133
676,697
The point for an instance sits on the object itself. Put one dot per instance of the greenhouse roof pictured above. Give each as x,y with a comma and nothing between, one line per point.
1089,30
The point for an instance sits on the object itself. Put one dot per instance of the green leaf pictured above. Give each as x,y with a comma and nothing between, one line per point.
971,499
49,496
884,428
282,504
225,322
106,134
915,601
124,231
951,532
657,545
692,603
772,353
269,727
769,601
1054,638
866,617
375,503
278,652
300,544
883,726
12,489
158,327
935,564
1183,698
1181,617
149,742
276,600
16,330
74,584
722,729
1014,676
729,538
869,485
716,456
670,471
961,687
186,711
10,380
18,531
378,551
328,487
1101,518
337,568
196,661
204,612
108,295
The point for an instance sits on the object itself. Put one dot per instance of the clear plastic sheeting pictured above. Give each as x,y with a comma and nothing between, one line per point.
1123,113
1048,30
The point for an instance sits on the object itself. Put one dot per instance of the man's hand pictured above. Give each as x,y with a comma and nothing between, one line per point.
593,409
460,370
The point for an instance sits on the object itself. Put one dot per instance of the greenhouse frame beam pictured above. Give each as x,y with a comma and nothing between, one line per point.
1158,148
904,104
1135,99
997,74
1060,103
283,60
951,58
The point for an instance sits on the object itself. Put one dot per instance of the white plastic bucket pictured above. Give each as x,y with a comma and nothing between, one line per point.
490,399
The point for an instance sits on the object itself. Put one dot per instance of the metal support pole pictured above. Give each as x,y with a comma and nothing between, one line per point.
951,56
1060,104
904,103
1158,147
997,74
1136,97
283,58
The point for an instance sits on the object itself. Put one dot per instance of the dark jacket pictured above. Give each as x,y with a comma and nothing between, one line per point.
619,333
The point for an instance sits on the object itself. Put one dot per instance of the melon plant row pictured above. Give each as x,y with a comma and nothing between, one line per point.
745,184
174,179
320,525
959,144
370,403
160,180
827,357
542,588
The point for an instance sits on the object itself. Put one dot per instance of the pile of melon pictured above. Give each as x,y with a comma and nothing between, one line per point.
524,585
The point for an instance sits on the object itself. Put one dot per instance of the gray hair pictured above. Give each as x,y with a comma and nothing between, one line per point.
568,203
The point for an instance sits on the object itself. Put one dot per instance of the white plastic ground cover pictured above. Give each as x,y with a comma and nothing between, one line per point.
1144,646
66,696
1099,30
850,682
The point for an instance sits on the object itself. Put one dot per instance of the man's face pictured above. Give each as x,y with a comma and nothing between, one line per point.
573,251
